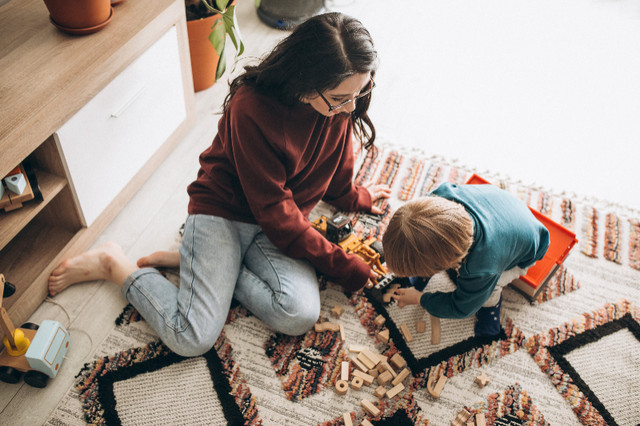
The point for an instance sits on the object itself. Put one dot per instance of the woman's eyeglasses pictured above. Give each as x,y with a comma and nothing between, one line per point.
362,94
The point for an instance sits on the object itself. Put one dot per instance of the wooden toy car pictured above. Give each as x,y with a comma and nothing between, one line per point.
37,354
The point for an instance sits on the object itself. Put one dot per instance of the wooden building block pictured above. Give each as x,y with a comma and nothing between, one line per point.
395,390
397,361
461,418
341,387
421,326
366,378
480,419
359,365
356,382
344,371
384,378
482,380
364,359
366,422
346,418
356,348
435,330
369,407
320,327
379,321
389,369
401,376
343,336
374,357
337,311
380,391
373,373
434,391
406,333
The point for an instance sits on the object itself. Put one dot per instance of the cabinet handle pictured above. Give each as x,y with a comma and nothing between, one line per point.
128,103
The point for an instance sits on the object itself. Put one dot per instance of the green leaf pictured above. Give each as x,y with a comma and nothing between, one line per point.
222,65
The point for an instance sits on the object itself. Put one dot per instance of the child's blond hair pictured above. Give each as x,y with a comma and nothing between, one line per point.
426,236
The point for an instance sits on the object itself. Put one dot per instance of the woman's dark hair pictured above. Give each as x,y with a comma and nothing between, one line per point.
318,55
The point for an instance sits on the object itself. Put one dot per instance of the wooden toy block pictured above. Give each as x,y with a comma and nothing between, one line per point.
384,378
344,370
373,373
389,369
343,336
366,422
369,407
381,368
359,365
342,387
326,326
461,418
386,298
366,378
482,380
346,418
480,419
401,376
9,199
435,330
395,390
421,326
16,183
382,358
380,391
356,348
405,332
337,311
397,361
364,359
374,357
357,382
434,391
379,321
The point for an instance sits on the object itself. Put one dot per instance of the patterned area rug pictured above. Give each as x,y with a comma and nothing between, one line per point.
570,357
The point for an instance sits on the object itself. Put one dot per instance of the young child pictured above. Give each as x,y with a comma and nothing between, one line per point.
483,236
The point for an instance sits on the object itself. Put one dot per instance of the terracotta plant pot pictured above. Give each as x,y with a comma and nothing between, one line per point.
204,59
79,14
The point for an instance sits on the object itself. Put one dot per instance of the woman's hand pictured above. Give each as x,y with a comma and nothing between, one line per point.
378,192
407,296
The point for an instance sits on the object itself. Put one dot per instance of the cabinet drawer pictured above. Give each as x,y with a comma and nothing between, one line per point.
115,134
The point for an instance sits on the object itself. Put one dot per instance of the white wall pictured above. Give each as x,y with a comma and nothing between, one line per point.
543,91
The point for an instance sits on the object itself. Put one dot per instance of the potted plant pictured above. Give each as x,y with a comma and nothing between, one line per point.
79,16
208,24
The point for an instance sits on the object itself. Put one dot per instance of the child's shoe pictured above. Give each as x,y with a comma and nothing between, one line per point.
488,323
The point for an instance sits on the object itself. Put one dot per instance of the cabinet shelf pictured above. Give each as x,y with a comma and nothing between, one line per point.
12,222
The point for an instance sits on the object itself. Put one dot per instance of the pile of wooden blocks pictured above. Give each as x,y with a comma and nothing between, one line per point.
367,367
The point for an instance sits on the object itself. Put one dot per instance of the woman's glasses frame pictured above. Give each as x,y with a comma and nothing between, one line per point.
362,94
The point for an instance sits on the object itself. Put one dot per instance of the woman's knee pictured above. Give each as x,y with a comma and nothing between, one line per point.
300,317
193,341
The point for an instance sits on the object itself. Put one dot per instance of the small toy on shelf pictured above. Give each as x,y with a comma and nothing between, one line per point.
21,186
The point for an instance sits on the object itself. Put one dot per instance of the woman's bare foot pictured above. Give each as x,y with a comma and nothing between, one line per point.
167,259
106,262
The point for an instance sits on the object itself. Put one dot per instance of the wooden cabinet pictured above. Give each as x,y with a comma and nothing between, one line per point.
94,115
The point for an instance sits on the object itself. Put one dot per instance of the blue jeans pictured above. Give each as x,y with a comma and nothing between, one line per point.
221,259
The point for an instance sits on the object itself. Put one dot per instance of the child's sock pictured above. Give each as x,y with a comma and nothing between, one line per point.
488,323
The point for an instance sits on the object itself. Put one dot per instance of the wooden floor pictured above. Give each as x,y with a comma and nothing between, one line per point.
456,117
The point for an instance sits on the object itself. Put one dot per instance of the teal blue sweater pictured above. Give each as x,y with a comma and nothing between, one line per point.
505,235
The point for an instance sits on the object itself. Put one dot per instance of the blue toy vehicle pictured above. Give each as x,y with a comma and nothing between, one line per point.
37,354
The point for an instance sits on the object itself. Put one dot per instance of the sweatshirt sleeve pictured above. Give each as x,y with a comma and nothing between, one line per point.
263,178
342,192
471,293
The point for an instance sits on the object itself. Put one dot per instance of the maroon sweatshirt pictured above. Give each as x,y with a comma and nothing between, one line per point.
271,164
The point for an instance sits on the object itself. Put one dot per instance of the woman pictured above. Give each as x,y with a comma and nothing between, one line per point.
283,144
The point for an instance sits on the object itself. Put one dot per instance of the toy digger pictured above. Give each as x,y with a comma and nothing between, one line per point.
338,230
38,354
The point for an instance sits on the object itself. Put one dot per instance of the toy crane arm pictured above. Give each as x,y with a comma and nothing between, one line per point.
5,322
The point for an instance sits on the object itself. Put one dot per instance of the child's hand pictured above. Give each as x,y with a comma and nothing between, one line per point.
407,296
